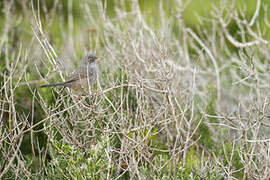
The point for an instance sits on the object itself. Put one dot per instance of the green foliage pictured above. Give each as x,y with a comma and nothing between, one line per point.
229,155
72,162
98,160
204,131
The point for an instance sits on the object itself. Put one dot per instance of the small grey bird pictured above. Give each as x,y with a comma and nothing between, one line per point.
84,76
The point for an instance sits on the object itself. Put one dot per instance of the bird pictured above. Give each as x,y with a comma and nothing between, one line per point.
83,77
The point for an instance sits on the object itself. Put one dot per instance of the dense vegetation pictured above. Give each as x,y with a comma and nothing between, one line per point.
182,91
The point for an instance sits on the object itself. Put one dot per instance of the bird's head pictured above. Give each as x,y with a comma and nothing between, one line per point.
91,58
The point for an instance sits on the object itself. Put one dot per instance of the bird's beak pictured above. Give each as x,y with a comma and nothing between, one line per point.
98,59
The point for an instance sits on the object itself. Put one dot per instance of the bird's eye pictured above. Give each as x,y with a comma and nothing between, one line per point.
90,59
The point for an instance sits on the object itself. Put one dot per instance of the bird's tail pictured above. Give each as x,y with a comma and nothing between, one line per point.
53,85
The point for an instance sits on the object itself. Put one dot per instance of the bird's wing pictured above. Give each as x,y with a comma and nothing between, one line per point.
80,72
77,75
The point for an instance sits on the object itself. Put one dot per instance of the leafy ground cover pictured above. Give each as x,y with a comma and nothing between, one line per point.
182,91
